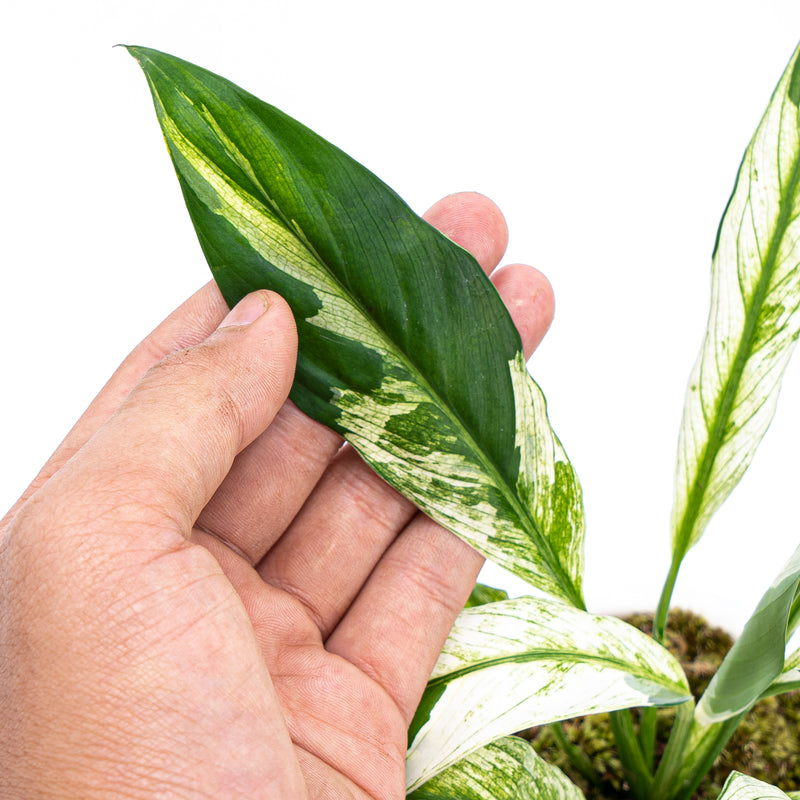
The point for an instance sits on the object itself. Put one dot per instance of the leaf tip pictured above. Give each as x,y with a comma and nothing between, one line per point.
138,52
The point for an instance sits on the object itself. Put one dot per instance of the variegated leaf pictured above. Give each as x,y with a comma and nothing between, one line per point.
405,346
510,665
508,769
743,787
754,321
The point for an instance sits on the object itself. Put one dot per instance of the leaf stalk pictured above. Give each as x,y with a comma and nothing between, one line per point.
662,610
673,758
577,757
633,761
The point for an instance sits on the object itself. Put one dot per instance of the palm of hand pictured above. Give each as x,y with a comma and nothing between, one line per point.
335,601
227,601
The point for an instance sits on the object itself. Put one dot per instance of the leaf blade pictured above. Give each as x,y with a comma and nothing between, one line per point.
743,787
508,769
757,657
275,206
529,661
753,324
482,594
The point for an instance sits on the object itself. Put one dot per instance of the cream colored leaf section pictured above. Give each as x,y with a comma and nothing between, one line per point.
743,787
540,527
270,237
508,769
510,665
548,484
753,324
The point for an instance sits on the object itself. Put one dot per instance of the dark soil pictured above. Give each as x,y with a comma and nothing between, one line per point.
766,745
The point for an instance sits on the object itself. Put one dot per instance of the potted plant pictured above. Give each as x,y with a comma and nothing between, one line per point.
275,206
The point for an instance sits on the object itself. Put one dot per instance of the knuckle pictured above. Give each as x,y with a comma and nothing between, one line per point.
205,383
197,406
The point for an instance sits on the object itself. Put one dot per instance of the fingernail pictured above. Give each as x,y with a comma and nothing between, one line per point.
247,310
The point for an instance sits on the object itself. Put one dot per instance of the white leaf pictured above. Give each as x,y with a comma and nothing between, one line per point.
529,661
508,769
754,321
743,787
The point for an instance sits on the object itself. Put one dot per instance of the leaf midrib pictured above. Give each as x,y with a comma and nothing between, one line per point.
562,656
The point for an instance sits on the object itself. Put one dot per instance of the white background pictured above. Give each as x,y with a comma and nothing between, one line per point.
609,133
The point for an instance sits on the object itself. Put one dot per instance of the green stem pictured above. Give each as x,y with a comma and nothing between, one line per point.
674,755
706,745
647,735
660,619
637,772
577,757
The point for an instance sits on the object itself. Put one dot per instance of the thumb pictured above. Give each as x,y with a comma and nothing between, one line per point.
172,441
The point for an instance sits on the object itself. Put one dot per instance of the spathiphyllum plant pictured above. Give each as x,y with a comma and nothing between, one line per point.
463,431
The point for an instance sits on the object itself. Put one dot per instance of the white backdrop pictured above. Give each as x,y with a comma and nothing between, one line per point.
609,133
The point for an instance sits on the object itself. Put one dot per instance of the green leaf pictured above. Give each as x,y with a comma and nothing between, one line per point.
743,787
508,666
405,346
757,656
753,324
508,769
483,594
789,679
747,673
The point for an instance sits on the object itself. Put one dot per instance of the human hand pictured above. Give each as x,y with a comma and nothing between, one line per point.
205,595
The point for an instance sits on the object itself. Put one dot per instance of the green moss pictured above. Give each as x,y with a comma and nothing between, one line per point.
766,745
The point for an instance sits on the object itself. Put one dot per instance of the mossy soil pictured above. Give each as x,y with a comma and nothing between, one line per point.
766,745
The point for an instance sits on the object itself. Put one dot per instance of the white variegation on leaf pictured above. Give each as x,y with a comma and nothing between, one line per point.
508,769
548,496
510,665
753,327
547,483
743,787
405,346
754,320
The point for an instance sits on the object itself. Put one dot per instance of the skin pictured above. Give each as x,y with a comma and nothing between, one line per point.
205,595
